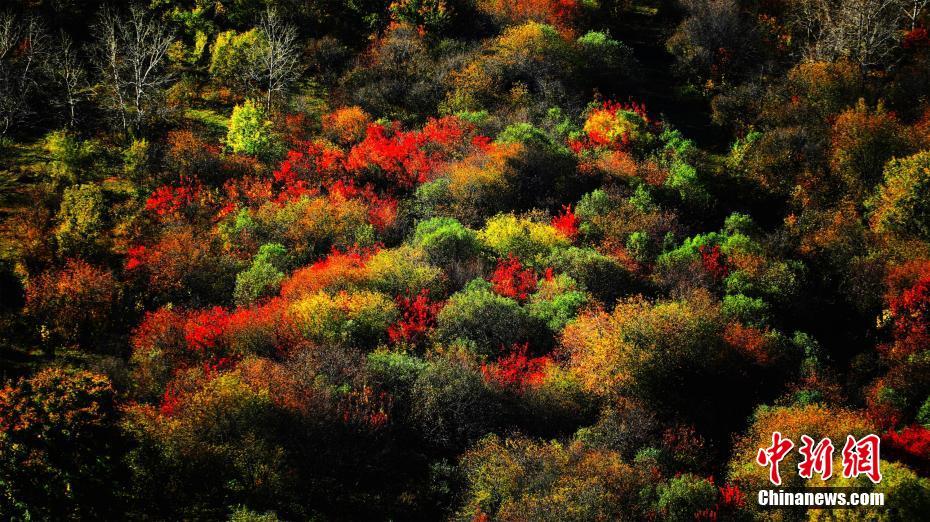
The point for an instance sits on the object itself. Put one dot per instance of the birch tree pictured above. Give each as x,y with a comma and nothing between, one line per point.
912,11
132,59
23,47
864,31
278,62
67,69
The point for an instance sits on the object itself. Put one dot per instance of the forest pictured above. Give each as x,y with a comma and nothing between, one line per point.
466,260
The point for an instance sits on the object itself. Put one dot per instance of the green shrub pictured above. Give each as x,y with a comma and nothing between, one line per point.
748,310
70,158
902,204
250,131
431,199
445,240
488,321
600,275
684,496
234,54
244,514
452,406
526,134
309,227
136,159
523,479
556,302
264,277
402,271
923,415
397,372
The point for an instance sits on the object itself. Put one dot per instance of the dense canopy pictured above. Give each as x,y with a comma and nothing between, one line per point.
469,260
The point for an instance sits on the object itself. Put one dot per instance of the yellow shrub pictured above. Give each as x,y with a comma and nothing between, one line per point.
357,319
507,234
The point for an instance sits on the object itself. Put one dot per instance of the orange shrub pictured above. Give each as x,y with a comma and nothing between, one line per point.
346,125
560,13
75,303
337,271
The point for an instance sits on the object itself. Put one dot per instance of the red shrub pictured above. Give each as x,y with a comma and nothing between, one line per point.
297,126
366,408
205,328
262,330
517,370
481,142
443,135
748,340
217,364
881,412
910,445
418,316
305,172
715,262
247,191
388,157
916,38
685,443
510,279
559,13
911,313
170,402
605,129
159,350
75,302
189,155
135,257
181,258
730,502
566,222
731,497
397,155
161,331
173,201
382,210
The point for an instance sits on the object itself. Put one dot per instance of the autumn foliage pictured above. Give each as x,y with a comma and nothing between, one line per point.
511,279
436,260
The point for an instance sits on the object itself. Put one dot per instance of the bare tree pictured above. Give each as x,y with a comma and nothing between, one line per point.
67,69
278,62
131,56
714,40
913,9
864,31
23,46
805,17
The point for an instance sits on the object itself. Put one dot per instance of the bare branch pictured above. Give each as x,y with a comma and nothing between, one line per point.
279,61
23,48
131,56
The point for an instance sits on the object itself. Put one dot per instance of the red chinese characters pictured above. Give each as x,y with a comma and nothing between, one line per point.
817,458
773,455
861,457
